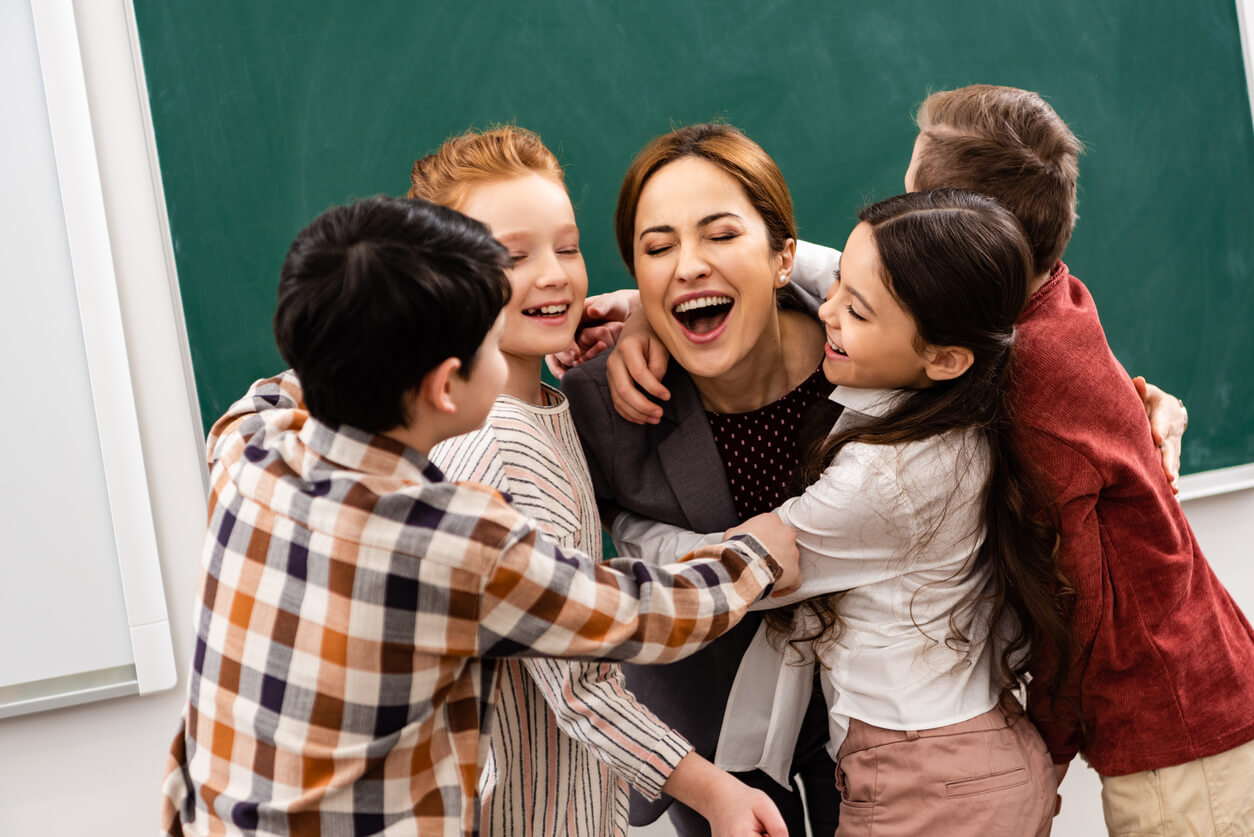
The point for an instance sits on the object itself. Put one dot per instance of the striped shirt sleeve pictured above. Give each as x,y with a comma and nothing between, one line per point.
592,705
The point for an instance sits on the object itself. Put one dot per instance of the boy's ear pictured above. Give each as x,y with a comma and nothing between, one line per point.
437,388
944,363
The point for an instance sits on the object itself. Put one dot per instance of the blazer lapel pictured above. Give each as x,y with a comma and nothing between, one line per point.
691,462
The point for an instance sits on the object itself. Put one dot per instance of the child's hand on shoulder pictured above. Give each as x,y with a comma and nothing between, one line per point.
780,541
636,367
599,326
1168,419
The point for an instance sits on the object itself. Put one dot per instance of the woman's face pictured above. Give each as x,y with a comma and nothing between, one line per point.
705,267
532,216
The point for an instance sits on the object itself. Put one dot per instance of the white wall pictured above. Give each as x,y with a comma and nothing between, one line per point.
98,767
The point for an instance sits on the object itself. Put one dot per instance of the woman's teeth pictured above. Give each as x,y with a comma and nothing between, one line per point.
545,311
701,302
837,349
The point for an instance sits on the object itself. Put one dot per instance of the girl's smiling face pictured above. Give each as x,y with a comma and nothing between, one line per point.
704,265
532,216
872,341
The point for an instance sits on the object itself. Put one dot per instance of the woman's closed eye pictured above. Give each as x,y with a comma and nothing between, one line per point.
853,313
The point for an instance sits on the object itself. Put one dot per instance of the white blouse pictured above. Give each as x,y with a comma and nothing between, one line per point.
898,527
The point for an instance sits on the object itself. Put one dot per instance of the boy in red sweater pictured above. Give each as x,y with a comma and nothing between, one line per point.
1160,696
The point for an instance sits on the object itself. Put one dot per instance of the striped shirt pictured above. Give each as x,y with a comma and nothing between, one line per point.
568,736
349,605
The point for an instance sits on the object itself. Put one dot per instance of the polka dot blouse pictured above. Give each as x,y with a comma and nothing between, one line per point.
760,450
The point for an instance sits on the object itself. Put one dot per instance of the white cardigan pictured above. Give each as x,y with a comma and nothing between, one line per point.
898,527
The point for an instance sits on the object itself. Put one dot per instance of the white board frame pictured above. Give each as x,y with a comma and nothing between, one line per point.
100,315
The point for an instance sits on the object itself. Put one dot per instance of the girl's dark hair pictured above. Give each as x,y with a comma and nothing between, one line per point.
960,265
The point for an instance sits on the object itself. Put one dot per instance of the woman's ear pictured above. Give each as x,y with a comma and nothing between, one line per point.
787,258
944,363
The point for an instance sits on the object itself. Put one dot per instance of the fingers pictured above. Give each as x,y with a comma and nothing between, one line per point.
1139,383
561,362
770,821
630,402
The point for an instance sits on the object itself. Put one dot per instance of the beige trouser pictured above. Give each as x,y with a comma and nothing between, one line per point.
1209,796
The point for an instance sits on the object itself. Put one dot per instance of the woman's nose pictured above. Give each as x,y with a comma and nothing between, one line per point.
692,263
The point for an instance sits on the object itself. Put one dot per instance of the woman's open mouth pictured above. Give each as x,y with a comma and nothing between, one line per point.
703,316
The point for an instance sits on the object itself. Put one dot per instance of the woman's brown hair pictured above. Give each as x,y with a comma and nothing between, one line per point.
725,147
475,157
959,264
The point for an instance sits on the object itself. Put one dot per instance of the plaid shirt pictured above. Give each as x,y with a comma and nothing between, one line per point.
350,604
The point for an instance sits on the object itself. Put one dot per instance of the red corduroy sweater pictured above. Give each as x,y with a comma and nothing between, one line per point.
1164,670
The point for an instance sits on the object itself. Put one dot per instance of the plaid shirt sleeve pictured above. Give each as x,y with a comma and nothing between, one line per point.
531,598
348,599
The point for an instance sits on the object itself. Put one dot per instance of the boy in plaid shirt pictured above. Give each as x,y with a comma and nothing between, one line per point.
352,601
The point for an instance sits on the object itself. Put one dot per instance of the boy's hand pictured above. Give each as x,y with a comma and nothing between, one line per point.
599,325
781,541
1168,420
639,359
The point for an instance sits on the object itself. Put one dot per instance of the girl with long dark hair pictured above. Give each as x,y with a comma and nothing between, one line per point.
926,577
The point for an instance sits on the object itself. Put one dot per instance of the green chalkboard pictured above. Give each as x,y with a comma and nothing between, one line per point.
268,112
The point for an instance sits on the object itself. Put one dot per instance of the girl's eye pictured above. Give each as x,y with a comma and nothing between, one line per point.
854,313
569,251
517,258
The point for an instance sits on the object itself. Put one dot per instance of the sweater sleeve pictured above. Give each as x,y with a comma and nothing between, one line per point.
1076,487
592,705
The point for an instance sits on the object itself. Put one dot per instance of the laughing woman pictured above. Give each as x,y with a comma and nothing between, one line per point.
705,225
568,738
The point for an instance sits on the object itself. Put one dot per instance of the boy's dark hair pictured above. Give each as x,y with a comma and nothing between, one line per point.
376,294
1011,145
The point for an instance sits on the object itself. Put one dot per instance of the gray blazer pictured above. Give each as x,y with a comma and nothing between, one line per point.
670,472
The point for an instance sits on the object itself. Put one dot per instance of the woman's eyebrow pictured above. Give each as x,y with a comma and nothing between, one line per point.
709,219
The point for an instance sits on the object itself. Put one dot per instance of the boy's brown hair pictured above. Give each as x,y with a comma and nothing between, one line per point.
1011,145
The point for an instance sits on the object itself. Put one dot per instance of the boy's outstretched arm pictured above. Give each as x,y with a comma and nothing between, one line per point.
538,600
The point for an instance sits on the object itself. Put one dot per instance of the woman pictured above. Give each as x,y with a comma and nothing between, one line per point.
704,223
568,739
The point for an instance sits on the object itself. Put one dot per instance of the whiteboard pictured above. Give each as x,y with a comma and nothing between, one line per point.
82,608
